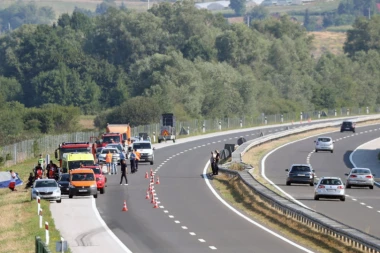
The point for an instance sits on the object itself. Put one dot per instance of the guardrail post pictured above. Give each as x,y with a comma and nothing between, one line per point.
204,127
188,130
367,110
220,125
301,116
319,114
38,204
335,112
47,236
241,122
40,214
265,120
282,118
154,137
348,111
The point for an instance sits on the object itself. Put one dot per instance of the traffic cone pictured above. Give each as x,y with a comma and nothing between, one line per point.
150,188
158,180
147,195
155,204
125,207
146,175
151,172
153,200
309,120
152,179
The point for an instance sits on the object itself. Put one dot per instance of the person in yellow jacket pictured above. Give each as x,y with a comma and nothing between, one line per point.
138,156
109,161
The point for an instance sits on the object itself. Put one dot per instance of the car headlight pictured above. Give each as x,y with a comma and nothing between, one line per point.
93,186
57,191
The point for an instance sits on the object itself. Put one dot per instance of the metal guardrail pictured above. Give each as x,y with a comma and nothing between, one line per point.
41,247
348,235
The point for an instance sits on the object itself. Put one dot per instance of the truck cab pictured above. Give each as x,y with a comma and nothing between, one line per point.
71,147
107,138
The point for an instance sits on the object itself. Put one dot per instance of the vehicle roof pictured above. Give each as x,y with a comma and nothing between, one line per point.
360,169
143,141
92,166
324,137
349,120
330,178
81,170
45,179
301,164
113,144
78,156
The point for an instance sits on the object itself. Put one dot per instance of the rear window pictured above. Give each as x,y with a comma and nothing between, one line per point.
360,171
96,170
331,182
300,169
141,146
324,139
348,124
83,177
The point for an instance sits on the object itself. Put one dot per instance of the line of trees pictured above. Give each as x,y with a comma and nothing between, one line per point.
127,66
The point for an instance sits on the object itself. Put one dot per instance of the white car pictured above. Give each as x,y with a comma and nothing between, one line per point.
104,152
360,177
146,151
46,189
330,187
324,144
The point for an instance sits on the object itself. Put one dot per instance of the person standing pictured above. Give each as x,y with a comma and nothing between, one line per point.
42,162
123,166
114,162
217,158
212,162
138,156
109,161
132,159
12,184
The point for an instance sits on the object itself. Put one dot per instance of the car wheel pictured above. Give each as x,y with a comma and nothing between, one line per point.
348,186
151,163
70,196
102,190
311,184
316,198
59,201
332,151
288,183
343,198
96,196
316,151
371,187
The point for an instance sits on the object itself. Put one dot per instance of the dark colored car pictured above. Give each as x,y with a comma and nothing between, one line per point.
347,126
300,174
64,182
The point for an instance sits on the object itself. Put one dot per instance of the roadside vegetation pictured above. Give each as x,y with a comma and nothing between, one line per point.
19,222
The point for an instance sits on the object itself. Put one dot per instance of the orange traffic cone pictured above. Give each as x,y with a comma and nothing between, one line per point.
155,204
151,172
125,207
152,179
146,175
150,188
147,195
158,180
309,120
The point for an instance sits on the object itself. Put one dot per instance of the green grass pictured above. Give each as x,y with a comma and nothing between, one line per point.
19,222
343,28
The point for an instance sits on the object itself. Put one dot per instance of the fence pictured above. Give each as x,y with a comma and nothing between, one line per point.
41,247
19,152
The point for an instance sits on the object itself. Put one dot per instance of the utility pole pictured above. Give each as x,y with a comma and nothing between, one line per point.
369,13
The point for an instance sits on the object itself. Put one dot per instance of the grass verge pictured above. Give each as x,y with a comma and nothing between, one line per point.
241,197
19,222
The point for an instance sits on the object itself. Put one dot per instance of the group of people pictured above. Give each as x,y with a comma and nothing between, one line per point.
214,161
50,171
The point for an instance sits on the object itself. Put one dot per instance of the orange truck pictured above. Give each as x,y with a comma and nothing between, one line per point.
123,129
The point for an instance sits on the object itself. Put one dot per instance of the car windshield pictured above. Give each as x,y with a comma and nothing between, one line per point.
96,170
106,150
76,164
331,182
347,124
137,145
324,139
65,177
45,183
108,139
360,171
83,177
300,169
119,147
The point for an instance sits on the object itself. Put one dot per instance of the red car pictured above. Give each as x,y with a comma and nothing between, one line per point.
101,180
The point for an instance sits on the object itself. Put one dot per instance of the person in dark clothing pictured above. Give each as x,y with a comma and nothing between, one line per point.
38,171
217,158
212,162
132,159
30,181
123,165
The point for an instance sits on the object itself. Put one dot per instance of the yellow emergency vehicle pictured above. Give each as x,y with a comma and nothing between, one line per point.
75,160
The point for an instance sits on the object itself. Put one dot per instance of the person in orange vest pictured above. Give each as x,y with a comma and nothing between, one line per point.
138,156
108,161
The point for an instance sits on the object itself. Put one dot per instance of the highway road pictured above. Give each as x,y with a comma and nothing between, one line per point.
190,217
361,209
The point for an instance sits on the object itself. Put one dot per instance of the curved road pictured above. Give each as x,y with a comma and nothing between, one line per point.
361,209
190,217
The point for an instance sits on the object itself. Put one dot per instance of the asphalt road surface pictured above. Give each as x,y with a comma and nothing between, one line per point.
361,209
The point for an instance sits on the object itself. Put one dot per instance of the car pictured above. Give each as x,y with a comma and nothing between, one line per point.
82,183
46,189
98,151
104,152
330,187
146,151
348,125
116,145
101,179
63,182
300,174
360,177
324,144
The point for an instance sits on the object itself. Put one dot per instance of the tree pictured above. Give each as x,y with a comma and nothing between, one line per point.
258,13
239,6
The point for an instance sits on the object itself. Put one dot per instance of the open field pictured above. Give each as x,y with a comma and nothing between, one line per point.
19,220
328,41
86,122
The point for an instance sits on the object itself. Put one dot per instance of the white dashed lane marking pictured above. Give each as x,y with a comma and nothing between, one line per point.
171,216
212,247
192,233
370,207
184,227
362,203
177,221
201,240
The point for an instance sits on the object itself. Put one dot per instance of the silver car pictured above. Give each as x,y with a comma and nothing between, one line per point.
360,177
330,187
324,144
104,152
46,189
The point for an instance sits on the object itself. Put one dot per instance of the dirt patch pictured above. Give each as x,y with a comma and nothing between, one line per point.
87,122
328,42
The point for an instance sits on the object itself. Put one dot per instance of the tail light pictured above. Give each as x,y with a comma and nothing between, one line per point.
353,176
321,186
340,187
369,176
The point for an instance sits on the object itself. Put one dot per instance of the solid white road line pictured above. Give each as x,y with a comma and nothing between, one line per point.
117,240
247,218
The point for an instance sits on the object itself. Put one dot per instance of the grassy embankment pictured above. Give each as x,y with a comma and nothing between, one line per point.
241,197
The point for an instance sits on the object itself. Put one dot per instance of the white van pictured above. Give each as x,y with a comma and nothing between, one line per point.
146,151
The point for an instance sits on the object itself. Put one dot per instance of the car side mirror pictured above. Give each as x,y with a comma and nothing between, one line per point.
346,174
287,170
